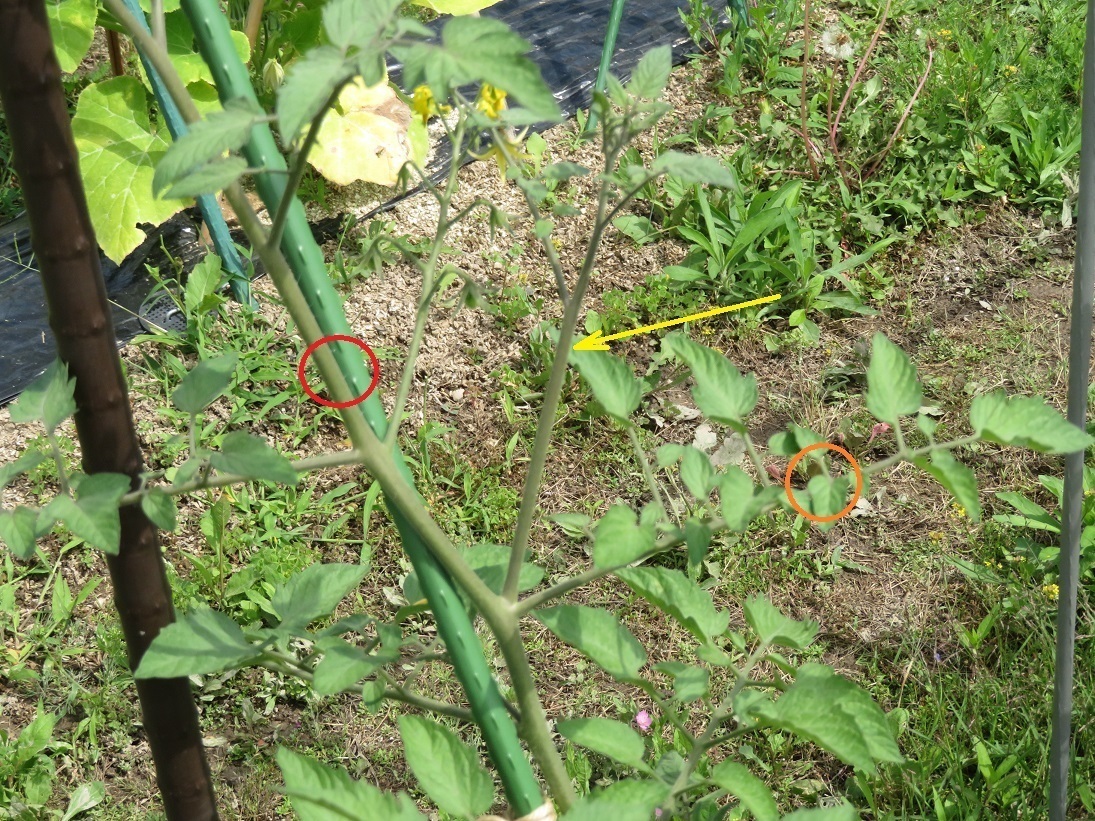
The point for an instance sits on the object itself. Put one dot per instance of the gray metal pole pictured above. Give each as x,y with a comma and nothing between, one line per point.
1079,363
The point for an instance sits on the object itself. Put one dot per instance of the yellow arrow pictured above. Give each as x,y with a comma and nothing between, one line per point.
597,341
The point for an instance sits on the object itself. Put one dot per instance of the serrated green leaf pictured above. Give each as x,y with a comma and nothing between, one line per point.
479,50
958,479
741,500
48,399
322,793
343,665
598,635
159,507
353,23
93,514
612,381
72,28
651,75
697,473
893,389
619,538
314,593
627,800
607,737
753,793
835,714
678,596
694,168
205,382
1025,422
211,178
772,627
721,391
791,441
828,494
249,456
18,530
563,171
206,141
447,769
118,155
26,461
690,683
202,641
309,82
697,538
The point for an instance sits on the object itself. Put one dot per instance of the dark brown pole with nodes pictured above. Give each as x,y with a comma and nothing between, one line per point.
44,156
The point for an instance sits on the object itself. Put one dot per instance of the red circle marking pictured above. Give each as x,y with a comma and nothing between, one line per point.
855,496
338,338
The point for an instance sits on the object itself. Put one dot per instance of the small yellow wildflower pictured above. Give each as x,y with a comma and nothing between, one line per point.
980,147
958,510
707,330
1011,70
491,101
944,33
935,536
1051,591
425,106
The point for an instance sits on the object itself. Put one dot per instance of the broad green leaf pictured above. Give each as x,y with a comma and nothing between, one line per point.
772,627
364,138
200,295
48,399
211,178
741,500
26,461
694,168
828,495
315,592
118,154
640,229
159,507
309,82
249,456
343,665
205,382
84,798
689,683
835,714
183,51
607,737
206,141
721,392
479,50
18,530
563,171
612,381
1025,422
678,596
202,641
72,27
448,770
93,514
627,800
958,479
491,562
651,75
841,812
322,793
893,389
619,538
697,473
598,635
753,793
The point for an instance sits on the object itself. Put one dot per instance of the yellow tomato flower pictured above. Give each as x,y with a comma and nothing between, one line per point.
491,101
425,106
1051,591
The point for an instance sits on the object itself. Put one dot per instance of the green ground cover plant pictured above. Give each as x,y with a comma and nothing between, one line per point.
295,618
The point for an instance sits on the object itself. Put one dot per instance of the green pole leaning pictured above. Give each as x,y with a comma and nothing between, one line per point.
305,258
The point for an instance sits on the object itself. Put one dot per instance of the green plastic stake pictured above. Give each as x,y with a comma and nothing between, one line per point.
207,203
305,258
615,15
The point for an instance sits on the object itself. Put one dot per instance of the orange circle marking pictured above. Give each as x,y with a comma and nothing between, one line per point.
855,496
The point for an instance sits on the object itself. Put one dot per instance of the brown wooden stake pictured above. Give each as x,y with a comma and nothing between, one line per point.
44,156
114,48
